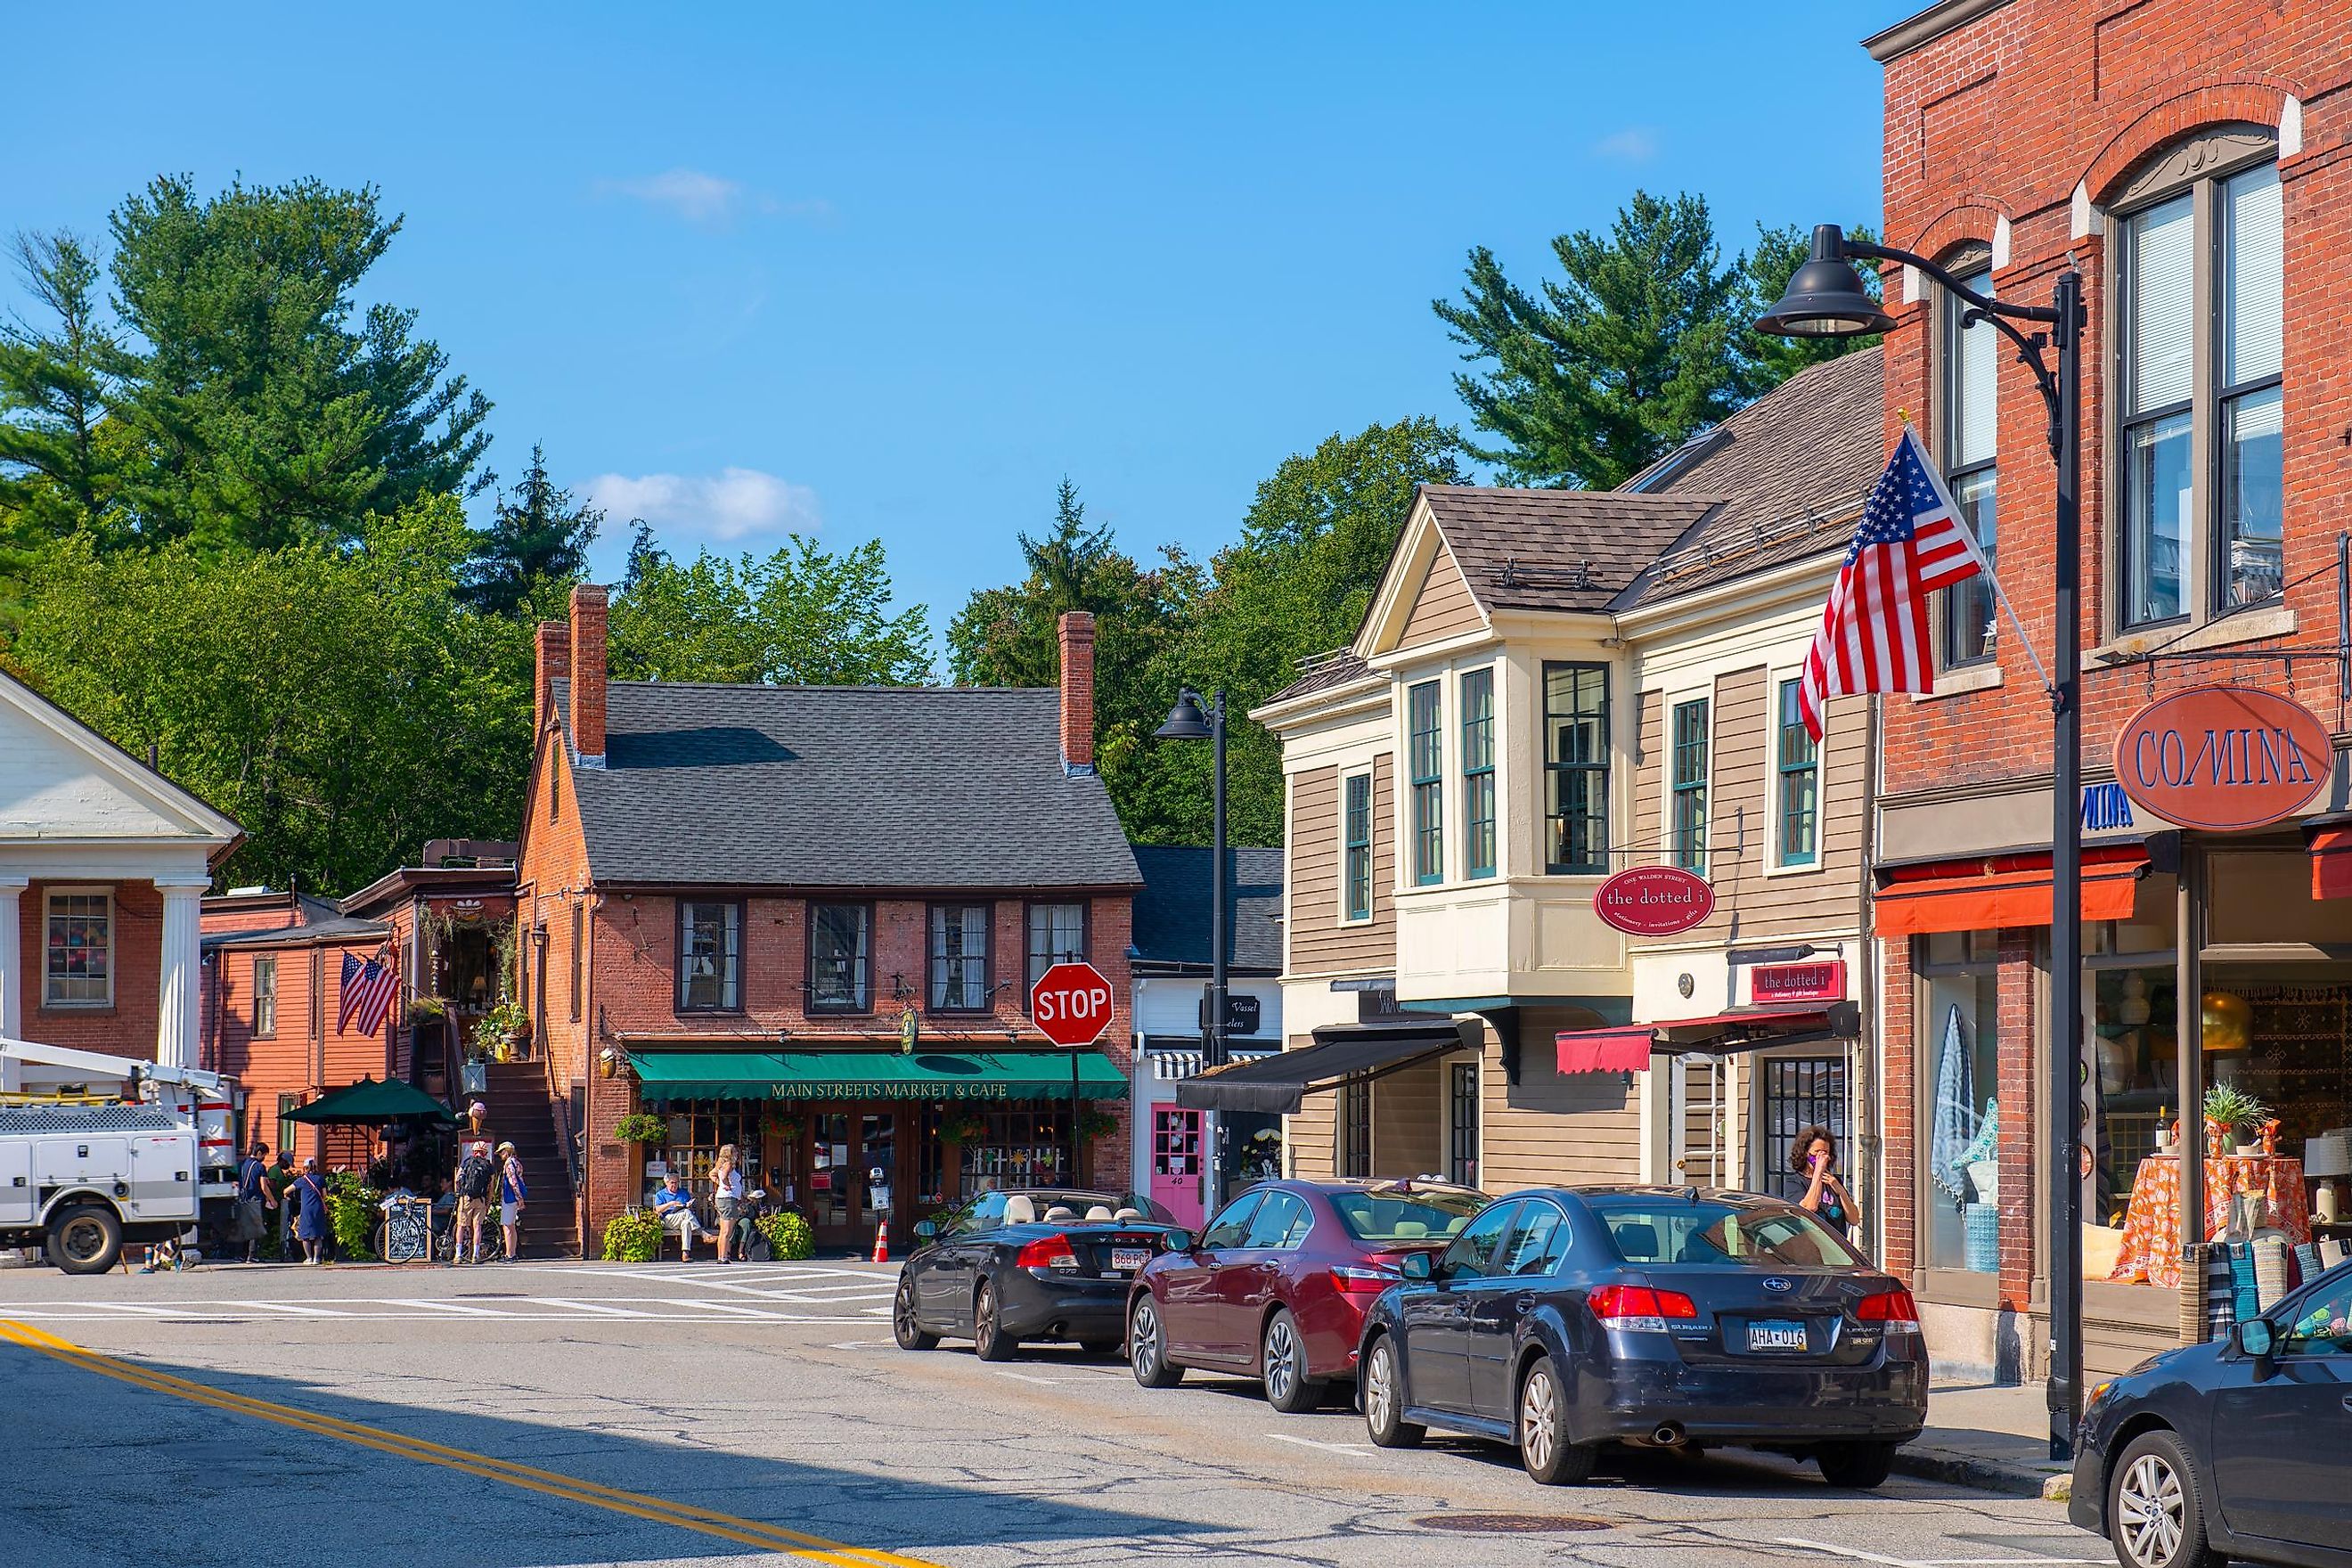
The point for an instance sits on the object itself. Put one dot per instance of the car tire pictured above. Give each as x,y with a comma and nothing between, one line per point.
2156,1516
989,1340
904,1327
85,1239
1147,1346
1860,1466
1541,1430
1384,1399
1282,1366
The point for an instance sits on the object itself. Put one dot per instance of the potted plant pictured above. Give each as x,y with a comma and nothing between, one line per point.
634,1236
1097,1124
966,1127
781,1125
2228,1109
640,1127
500,1027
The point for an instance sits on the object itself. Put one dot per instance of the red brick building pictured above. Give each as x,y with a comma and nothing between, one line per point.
804,920
2191,159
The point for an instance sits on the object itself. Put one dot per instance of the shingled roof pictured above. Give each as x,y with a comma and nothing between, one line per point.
1556,549
1172,913
841,786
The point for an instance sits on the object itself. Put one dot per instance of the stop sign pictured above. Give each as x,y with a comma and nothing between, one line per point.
1071,1003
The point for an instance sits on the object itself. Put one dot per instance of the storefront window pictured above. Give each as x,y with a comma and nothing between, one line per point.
1015,1149
699,1128
1959,1108
2135,1078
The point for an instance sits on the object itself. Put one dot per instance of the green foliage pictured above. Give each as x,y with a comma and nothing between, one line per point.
789,1235
640,1127
1094,1125
534,548
2233,1107
353,1215
633,1235
338,702
805,615
59,462
1645,340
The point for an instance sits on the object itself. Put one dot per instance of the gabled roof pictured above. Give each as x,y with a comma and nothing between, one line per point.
1322,672
397,886
333,933
67,781
1171,912
1555,550
841,786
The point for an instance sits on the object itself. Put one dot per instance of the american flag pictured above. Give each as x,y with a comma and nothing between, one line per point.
369,985
1873,633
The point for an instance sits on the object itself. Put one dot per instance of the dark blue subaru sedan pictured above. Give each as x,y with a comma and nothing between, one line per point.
1563,1319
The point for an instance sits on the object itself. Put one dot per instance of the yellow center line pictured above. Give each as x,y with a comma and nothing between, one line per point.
639,1505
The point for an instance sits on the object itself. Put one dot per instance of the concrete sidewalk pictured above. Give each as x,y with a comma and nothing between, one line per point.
1993,1439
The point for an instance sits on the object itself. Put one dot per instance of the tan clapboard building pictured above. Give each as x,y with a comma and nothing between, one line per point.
1550,686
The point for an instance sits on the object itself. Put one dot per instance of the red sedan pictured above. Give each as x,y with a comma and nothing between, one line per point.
1278,1285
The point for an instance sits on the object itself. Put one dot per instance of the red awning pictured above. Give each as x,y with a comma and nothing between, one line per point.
2003,890
1604,1050
2331,858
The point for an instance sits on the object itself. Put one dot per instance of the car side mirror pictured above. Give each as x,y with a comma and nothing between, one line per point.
925,1230
1416,1266
1181,1241
2256,1339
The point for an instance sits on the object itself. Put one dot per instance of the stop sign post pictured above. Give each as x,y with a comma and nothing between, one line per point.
1072,1006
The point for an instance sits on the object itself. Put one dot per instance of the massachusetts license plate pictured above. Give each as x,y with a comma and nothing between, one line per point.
1776,1335
1127,1260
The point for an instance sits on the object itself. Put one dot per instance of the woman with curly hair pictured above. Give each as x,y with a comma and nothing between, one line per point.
1814,1157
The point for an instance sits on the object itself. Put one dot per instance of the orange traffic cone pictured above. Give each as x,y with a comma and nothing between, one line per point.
882,1241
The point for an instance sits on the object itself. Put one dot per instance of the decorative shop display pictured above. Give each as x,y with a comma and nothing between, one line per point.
2245,1193
1653,900
2223,758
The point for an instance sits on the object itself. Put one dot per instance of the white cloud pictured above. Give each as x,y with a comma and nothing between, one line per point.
729,506
712,201
1634,144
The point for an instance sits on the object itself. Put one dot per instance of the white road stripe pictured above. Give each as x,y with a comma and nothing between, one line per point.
587,1307
290,1307
143,1311
433,1306
1327,1447
1855,1554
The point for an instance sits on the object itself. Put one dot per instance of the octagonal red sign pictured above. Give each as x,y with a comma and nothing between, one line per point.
1072,1003
1653,900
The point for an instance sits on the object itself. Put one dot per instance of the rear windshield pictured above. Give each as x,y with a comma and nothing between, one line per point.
1427,1216
1649,1230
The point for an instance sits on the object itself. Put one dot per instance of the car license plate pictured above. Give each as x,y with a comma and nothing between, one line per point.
1776,1335
1127,1260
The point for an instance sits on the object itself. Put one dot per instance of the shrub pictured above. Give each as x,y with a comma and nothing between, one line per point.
634,1236
640,1127
789,1235
353,1215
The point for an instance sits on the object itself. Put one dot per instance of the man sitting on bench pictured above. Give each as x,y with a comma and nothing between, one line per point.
674,1206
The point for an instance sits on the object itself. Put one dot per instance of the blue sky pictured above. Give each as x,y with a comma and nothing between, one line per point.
892,271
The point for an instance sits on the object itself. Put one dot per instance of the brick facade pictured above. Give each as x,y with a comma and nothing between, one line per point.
125,1026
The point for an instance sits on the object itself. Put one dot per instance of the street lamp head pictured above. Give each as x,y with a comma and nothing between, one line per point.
1185,720
1826,299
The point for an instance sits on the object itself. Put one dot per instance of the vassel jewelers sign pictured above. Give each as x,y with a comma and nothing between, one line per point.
2223,758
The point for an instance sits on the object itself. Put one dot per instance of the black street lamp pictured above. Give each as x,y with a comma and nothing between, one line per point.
1826,298
1186,721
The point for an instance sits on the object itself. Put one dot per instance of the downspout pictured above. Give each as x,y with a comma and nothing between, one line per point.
1140,1101
1867,1110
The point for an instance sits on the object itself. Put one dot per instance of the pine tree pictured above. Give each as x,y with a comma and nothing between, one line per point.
534,548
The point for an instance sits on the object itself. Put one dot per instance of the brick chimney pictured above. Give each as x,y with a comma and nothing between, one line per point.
588,675
555,664
1078,691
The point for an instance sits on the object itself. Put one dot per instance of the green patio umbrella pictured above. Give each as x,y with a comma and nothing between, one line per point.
368,1102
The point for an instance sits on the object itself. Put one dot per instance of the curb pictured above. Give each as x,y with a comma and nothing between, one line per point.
1979,1474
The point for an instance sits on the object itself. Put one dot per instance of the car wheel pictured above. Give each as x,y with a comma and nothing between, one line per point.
1384,1399
989,1340
1544,1447
2154,1516
1858,1465
85,1239
1282,1366
904,1328
1146,1347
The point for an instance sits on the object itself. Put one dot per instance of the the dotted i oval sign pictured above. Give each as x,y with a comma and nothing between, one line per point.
2223,758
1653,900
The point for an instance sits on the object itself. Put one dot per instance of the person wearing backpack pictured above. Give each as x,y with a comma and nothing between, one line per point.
472,1185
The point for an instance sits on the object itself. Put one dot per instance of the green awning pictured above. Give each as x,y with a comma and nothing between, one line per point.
367,1103
875,1075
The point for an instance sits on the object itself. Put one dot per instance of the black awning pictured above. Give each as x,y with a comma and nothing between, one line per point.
1277,1084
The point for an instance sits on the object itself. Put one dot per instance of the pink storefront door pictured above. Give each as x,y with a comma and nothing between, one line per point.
1176,1164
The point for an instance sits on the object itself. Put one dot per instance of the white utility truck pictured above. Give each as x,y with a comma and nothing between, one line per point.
98,1150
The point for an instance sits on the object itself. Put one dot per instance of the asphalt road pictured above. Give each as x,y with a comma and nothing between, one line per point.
370,1417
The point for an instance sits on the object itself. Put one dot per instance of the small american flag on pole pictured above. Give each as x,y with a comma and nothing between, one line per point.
369,985
1874,634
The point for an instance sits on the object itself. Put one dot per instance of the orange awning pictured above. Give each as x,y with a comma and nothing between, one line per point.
2331,858
2003,890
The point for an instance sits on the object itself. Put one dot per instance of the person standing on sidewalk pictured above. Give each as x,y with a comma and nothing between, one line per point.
252,1195
472,1184
311,1224
510,1197
726,1199
278,1181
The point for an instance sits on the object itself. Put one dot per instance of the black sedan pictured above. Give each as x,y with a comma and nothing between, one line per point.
1562,1319
1047,1264
2231,1449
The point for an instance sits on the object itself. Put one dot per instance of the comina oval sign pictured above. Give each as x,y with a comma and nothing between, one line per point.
2223,758
1653,900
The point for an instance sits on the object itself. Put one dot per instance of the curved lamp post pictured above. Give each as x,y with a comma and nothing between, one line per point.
1826,299
1187,721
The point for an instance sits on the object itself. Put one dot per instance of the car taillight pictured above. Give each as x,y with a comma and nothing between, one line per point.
1048,1252
1894,1308
1640,1308
1370,1280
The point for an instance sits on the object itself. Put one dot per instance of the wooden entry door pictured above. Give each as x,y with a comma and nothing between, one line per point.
854,1175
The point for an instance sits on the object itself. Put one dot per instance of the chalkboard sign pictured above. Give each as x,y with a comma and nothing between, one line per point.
408,1231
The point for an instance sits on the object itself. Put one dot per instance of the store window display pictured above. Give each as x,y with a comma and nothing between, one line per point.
1961,1102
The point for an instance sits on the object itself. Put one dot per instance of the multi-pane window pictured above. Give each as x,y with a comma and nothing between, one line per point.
288,1104
1425,745
959,958
1355,1129
1689,826
709,956
1971,362
265,998
1357,829
1796,783
1463,1117
1576,769
579,955
78,970
1478,773
1057,934
840,958
2202,289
